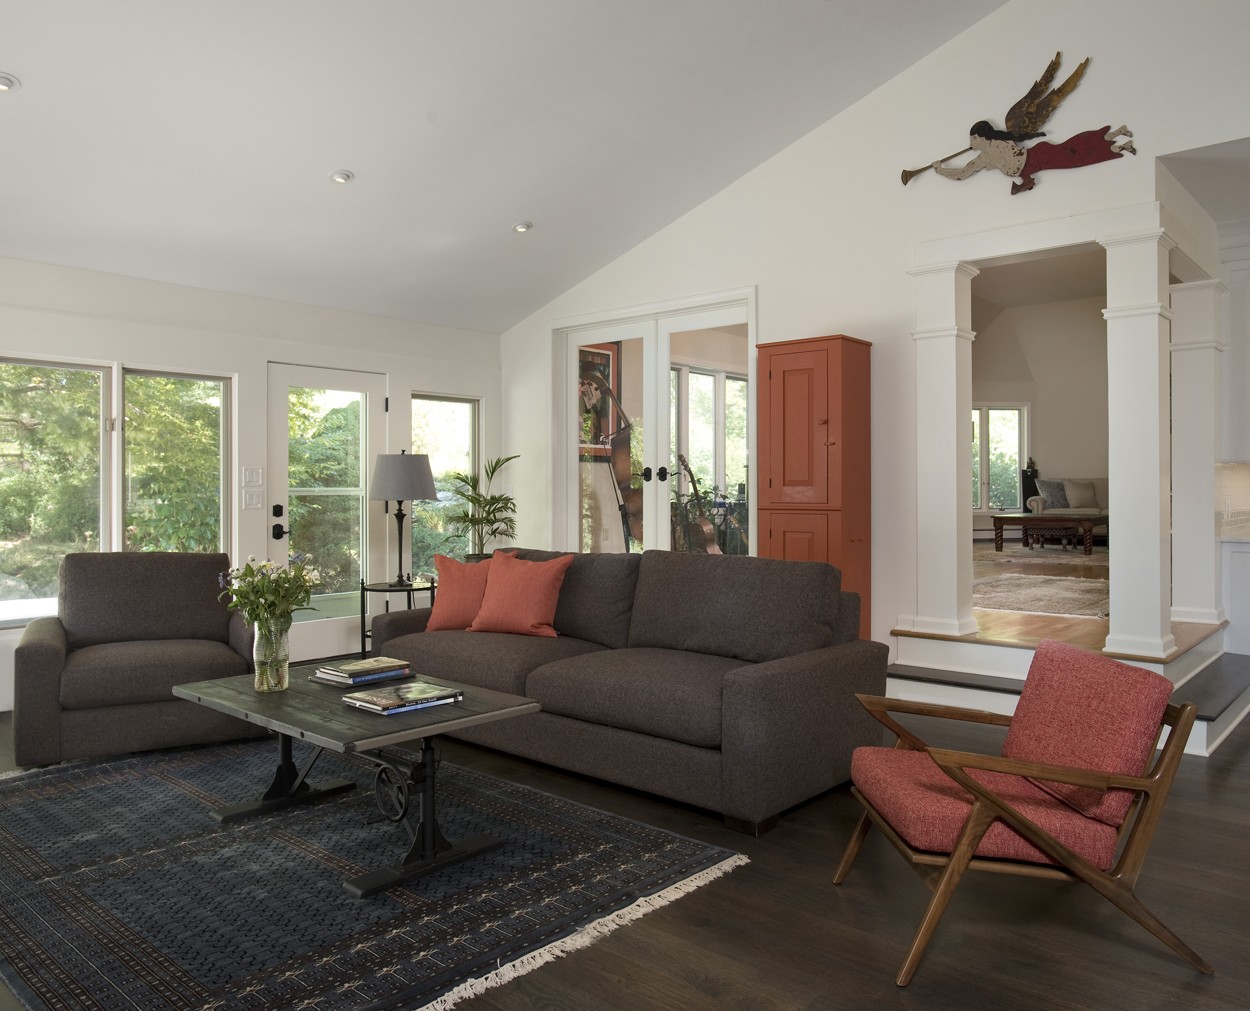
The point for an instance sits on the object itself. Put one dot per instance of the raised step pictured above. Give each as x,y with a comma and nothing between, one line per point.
1221,691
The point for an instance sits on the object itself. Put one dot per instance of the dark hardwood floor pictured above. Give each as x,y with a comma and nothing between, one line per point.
776,934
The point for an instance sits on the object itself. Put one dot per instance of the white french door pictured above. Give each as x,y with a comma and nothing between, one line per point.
325,428
623,457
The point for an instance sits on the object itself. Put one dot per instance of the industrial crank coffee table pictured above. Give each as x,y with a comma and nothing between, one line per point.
315,714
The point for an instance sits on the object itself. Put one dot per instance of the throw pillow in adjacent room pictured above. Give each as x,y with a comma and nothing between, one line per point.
461,587
521,596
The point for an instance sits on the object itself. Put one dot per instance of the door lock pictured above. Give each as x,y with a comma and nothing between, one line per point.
279,532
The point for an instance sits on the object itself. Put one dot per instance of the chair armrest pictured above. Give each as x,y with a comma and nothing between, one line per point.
880,709
38,662
788,726
949,760
392,624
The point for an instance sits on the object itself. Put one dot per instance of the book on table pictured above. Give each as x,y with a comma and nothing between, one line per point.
404,697
357,672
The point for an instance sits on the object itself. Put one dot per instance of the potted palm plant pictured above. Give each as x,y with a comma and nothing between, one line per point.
482,516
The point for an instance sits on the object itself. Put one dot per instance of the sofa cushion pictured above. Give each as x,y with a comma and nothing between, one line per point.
1053,492
660,692
1080,494
597,595
461,586
127,596
754,609
521,595
494,660
123,673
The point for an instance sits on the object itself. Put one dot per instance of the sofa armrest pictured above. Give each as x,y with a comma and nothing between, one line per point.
239,636
38,662
392,624
1035,504
788,726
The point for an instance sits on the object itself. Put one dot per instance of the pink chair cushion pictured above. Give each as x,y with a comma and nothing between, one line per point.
1088,711
928,809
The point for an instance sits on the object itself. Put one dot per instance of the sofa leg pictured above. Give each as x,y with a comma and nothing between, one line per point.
755,828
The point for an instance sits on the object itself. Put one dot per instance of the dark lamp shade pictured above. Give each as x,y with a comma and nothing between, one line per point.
402,477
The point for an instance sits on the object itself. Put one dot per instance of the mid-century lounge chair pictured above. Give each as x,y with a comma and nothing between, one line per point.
1070,797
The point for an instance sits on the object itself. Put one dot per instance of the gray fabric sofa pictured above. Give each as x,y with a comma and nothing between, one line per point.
96,679
723,682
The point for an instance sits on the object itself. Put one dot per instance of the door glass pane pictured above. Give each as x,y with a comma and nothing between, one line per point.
326,492
51,449
1004,458
174,442
446,431
609,395
976,458
736,484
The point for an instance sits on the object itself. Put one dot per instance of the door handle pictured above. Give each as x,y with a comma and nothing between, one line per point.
279,532
646,473
662,473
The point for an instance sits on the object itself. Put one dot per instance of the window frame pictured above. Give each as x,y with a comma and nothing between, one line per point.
982,409
475,444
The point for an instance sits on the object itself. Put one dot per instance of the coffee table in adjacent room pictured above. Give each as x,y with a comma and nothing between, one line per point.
315,714
1033,522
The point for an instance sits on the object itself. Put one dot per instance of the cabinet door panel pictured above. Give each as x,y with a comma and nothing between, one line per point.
798,428
797,537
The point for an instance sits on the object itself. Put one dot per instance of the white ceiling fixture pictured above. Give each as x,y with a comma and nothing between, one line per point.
8,82
342,176
523,226
148,160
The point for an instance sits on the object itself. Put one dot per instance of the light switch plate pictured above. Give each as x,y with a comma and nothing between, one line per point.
253,500
253,476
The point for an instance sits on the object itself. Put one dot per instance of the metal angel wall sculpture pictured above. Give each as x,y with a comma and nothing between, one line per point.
1002,150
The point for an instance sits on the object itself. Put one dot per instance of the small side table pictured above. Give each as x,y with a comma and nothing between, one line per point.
367,588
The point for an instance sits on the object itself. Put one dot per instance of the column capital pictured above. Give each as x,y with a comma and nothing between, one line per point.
1157,235
951,267
1154,309
938,332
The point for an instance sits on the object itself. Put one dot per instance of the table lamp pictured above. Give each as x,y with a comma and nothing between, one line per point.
401,477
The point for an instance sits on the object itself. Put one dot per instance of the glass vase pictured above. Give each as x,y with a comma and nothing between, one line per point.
271,653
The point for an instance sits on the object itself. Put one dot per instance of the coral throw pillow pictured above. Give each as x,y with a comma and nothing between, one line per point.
521,596
461,586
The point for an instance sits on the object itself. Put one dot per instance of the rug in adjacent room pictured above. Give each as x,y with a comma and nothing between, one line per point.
118,890
1043,595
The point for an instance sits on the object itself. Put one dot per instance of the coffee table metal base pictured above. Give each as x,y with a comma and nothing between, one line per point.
289,788
430,851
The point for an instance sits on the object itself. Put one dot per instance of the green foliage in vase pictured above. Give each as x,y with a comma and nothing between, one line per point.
267,592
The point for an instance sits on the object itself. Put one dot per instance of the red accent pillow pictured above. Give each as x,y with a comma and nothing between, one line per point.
521,596
459,595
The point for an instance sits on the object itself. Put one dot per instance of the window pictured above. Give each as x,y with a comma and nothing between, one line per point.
709,430
999,445
66,470
446,430
175,463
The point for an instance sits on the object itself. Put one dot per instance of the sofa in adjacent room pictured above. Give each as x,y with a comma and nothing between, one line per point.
96,678
723,682
1080,497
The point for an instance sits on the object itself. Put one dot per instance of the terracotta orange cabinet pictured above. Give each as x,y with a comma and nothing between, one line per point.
815,466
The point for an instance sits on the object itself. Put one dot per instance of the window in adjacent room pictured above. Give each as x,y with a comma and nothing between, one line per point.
999,447
445,428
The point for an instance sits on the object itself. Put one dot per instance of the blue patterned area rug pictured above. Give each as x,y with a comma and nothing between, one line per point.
118,891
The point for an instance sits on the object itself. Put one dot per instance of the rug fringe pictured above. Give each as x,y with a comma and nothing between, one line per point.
584,937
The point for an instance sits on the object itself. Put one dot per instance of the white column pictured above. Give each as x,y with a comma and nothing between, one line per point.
943,340
1197,375
1139,445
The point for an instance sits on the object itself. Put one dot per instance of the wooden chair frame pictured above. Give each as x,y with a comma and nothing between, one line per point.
942,872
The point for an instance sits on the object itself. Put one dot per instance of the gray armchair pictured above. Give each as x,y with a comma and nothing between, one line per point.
96,679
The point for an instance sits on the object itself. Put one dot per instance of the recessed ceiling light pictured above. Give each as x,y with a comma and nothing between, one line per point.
342,176
523,226
8,82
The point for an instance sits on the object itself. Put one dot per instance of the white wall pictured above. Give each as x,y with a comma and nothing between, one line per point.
826,233
61,313
1053,357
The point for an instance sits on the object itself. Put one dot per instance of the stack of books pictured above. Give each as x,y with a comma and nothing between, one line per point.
410,695
359,672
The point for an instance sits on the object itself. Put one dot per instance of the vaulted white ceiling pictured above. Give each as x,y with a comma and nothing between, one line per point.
193,142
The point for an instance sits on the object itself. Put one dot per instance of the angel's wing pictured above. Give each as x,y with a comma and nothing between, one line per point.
1026,118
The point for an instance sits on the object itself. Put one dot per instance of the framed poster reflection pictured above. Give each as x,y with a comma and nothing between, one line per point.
598,385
